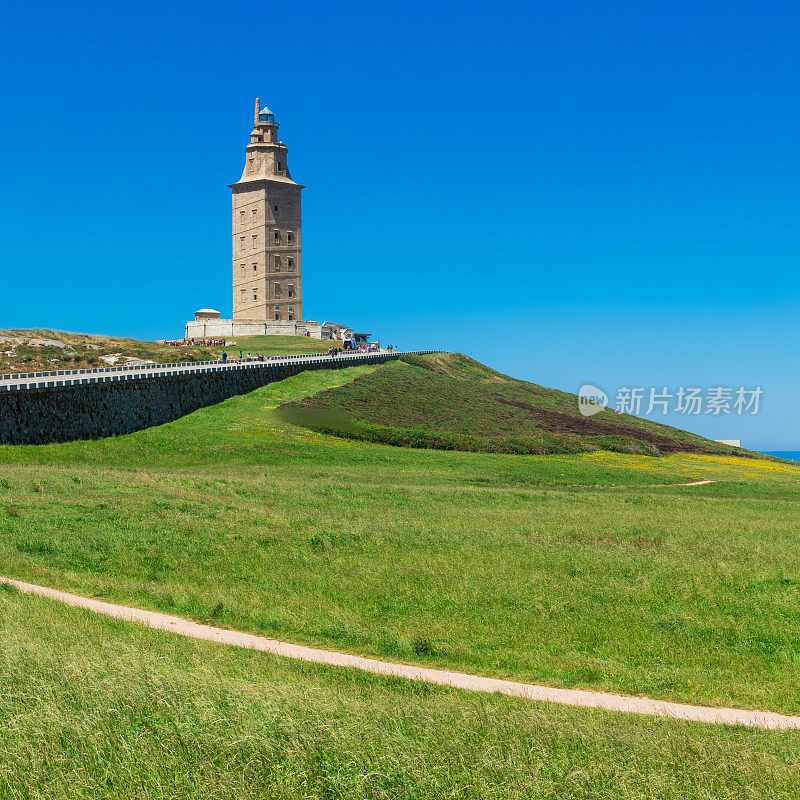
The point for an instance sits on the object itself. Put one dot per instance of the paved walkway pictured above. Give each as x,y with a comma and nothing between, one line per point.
41,380
477,683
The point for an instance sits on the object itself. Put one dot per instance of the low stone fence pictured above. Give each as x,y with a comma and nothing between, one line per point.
66,377
91,405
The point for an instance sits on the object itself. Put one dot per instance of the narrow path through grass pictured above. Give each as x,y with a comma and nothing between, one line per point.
477,683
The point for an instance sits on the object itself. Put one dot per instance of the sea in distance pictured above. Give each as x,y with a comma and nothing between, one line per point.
792,455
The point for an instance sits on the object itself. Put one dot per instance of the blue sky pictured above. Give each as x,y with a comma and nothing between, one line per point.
571,192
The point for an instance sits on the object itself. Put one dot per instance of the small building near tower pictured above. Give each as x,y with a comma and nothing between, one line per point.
206,314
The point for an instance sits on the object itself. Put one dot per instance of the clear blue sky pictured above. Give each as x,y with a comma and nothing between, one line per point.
572,192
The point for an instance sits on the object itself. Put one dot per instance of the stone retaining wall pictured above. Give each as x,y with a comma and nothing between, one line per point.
96,410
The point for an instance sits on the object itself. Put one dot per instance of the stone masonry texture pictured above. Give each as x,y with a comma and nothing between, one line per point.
267,247
97,410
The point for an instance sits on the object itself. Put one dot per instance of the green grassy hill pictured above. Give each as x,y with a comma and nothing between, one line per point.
597,570
450,402
39,350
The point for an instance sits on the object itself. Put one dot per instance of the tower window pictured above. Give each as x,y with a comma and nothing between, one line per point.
255,267
277,263
255,296
275,209
241,242
277,315
280,167
255,213
277,236
241,266
291,291
255,241
290,263
290,236
241,218
277,290
277,308
291,316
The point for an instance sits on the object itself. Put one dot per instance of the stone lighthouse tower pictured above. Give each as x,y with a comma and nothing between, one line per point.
266,230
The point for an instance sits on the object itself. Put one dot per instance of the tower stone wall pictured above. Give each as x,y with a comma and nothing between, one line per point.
266,226
267,250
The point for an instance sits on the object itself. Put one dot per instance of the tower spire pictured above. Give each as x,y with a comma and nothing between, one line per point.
258,108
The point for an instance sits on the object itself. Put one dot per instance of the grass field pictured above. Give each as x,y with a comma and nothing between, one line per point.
276,345
43,350
95,708
593,570
450,402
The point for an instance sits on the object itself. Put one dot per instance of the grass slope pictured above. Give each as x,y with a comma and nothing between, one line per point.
43,350
592,570
95,708
450,402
